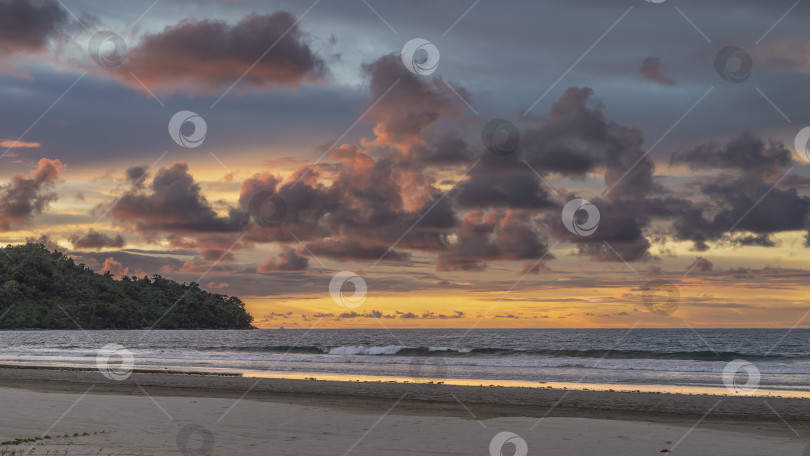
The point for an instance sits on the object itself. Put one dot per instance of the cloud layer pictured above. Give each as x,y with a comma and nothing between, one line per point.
388,198
25,197
410,186
264,50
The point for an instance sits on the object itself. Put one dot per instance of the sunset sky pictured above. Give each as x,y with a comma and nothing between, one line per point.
649,111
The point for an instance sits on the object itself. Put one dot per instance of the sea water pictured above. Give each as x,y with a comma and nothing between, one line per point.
644,359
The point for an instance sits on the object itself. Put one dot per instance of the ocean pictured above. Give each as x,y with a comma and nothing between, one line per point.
666,360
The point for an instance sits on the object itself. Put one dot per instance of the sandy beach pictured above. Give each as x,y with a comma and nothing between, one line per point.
152,413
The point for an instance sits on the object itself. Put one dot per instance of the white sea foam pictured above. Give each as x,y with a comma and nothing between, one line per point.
366,350
447,349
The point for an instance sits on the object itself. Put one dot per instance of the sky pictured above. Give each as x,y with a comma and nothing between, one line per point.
371,164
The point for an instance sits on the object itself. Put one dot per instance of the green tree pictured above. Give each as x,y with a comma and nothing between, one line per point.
38,288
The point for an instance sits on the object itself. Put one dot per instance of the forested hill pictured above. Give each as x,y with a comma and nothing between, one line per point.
39,289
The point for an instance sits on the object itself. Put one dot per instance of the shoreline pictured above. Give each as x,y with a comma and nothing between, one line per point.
150,413
491,401
654,388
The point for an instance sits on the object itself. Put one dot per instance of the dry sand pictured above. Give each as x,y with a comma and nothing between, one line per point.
148,413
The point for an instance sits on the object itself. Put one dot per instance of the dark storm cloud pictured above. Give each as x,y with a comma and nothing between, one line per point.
358,208
517,188
369,194
747,205
507,76
355,207
746,151
491,236
359,215
25,197
576,139
355,249
288,260
448,149
136,175
761,240
208,55
29,26
749,201
651,69
95,240
619,237
624,232
212,246
411,105
174,204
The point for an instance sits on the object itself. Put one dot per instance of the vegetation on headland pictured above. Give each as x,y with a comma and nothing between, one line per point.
48,290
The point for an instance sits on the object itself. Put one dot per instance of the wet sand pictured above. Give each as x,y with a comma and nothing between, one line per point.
151,413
